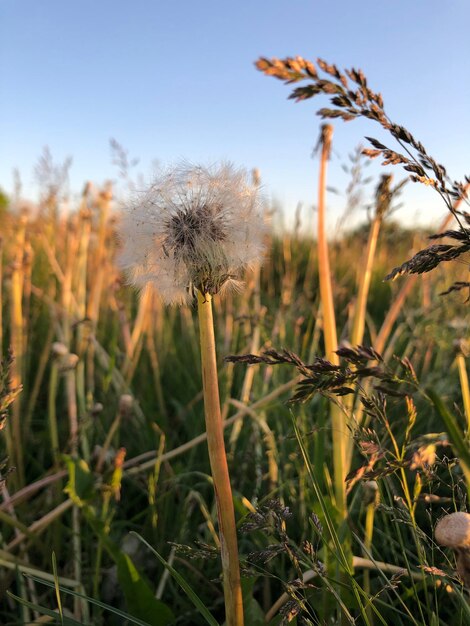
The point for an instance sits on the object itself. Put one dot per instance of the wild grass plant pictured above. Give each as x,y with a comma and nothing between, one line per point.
346,436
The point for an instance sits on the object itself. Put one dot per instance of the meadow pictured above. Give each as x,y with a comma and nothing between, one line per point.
346,405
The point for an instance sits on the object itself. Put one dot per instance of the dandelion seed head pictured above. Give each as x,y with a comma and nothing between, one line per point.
194,228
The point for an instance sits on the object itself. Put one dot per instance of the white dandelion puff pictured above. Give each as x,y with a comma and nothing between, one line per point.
194,228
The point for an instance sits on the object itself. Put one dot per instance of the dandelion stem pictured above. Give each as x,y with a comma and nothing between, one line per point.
219,468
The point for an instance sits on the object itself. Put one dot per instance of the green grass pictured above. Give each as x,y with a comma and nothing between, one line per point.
281,453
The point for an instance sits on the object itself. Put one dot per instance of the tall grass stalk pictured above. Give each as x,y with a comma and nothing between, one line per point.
326,289
463,376
104,205
38,378
219,468
385,332
52,413
14,428
368,535
365,272
329,324
253,349
407,287
69,304
1,294
383,201
138,330
156,370
80,289
104,202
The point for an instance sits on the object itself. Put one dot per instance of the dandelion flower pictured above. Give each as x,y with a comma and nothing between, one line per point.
195,228
194,232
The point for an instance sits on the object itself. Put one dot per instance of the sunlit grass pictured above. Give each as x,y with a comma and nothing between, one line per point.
107,434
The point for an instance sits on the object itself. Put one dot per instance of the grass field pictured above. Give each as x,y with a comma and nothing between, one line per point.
105,431
313,446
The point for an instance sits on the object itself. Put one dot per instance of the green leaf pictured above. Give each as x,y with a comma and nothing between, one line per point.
80,486
434,620
57,588
67,621
195,599
254,615
140,600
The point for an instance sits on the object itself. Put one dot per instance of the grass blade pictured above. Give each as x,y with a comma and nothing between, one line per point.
66,621
195,599
102,605
57,589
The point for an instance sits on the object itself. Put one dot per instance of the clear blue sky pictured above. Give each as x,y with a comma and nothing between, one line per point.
175,79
